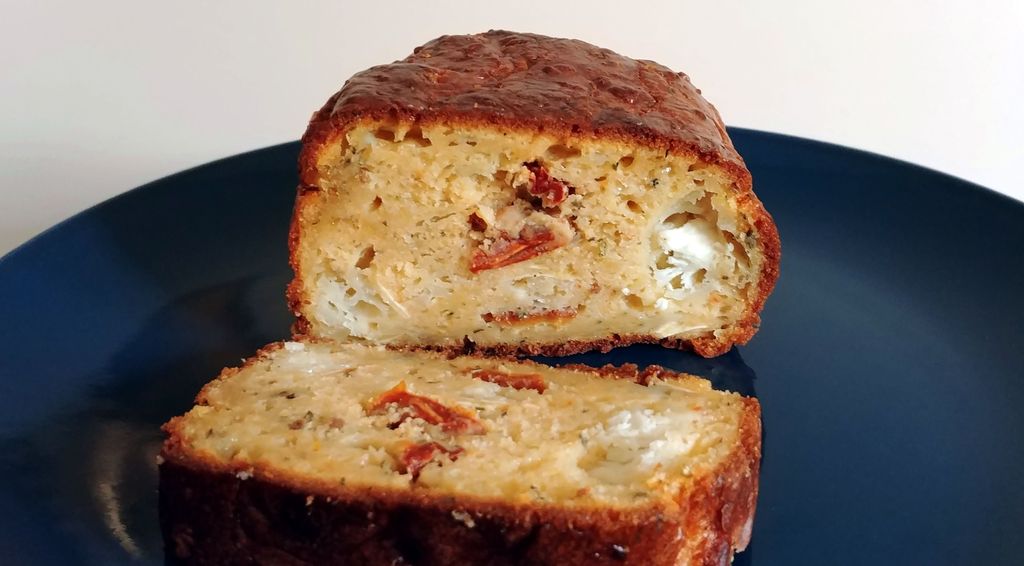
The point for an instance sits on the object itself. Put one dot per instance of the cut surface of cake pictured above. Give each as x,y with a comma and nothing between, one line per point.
514,193
325,453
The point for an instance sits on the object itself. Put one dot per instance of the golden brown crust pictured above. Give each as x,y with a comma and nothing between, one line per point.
210,517
563,87
722,504
522,81
215,512
294,293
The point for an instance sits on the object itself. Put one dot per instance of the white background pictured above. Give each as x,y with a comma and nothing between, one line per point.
101,96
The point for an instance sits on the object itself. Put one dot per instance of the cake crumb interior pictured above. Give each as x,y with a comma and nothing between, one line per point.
363,416
433,235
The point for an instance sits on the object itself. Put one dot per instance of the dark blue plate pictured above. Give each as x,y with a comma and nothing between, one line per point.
890,364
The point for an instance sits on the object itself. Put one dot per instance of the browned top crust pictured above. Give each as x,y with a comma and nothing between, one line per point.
527,81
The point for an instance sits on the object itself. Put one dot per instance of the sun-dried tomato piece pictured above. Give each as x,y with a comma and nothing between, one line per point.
551,191
415,457
533,241
518,317
476,222
451,419
514,380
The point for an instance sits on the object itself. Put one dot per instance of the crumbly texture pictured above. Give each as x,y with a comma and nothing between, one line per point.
320,453
513,193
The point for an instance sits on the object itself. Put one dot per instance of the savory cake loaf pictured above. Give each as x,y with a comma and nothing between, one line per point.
313,453
515,193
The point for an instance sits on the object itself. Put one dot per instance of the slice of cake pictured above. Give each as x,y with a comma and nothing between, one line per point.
515,193
349,454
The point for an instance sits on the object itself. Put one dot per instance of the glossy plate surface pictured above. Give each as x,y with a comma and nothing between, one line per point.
890,364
